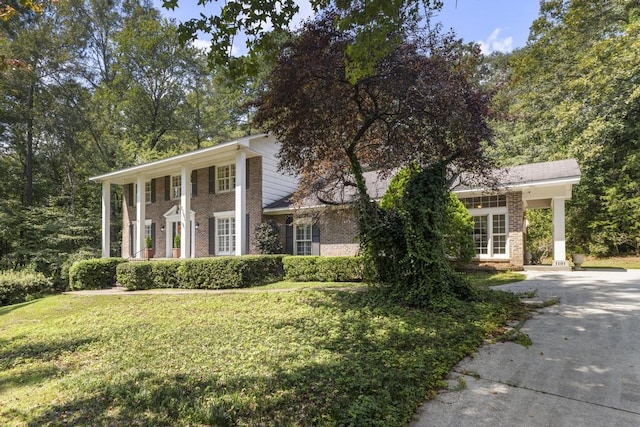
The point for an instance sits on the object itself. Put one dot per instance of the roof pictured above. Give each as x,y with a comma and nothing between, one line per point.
529,175
526,175
195,159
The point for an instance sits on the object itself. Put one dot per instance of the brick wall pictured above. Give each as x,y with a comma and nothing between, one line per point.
516,230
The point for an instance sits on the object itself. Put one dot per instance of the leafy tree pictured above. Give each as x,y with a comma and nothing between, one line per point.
422,105
375,26
575,95
268,238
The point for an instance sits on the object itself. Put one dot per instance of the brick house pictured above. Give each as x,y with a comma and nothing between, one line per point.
229,188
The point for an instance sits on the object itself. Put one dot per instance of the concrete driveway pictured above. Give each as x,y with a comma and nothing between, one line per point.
583,368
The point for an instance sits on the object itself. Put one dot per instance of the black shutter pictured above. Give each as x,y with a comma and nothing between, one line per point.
153,190
212,235
288,235
212,180
167,188
315,240
248,174
194,183
153,235
130,194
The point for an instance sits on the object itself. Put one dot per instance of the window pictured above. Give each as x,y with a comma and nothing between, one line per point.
226,180
302,239
226,236
176,187
490,234
480,202
147,192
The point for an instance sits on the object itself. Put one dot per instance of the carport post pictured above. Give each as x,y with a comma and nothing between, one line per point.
559,244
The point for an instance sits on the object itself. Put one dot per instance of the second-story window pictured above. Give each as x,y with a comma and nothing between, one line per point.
226,179
147,192
176,186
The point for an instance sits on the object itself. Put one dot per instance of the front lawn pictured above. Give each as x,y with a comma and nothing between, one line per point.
629,262
305,357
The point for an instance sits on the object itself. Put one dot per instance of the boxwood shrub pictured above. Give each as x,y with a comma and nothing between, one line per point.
230,272
19,286
97,273
323,269
136,276
202,273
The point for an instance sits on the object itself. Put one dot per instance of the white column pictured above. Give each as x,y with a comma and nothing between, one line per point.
140,219
106,219
241,202
185,212
559,244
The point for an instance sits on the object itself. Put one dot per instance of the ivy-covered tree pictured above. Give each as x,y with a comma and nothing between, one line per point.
422,105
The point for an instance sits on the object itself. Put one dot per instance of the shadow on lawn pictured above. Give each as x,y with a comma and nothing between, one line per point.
372,364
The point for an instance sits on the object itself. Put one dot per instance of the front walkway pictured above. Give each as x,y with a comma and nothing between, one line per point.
583,368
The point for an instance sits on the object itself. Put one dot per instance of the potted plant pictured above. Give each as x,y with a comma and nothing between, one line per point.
148,251
176,246
577,256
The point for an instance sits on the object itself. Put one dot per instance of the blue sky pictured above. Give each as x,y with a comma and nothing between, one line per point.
497,25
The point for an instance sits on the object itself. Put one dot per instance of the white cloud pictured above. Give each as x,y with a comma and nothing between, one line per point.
200,44
496,44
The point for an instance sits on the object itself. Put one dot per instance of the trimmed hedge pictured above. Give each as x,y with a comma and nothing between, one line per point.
202,273
97,273
19,286
323,269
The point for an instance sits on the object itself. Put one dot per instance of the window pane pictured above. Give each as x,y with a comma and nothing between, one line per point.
499,224
480,234
499,245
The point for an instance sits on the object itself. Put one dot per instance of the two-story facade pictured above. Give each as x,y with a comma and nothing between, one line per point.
221,193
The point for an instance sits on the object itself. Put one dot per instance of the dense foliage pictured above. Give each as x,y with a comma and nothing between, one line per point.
97,273
202,273
267,236
100,85
19,286
574,94
323,268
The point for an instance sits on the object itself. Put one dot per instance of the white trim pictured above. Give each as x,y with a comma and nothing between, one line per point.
224,214
511,187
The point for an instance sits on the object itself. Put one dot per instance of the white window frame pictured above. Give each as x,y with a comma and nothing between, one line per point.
226,178
489,213
303,223
230,248
147,192
176,187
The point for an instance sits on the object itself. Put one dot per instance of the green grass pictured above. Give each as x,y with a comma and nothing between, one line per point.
307,357
486,279
613,262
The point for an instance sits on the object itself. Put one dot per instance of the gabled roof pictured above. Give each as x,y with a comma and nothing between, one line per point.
530,175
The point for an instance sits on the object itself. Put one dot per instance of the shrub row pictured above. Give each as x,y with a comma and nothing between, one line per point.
323,269
202,273
19,286
97,273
